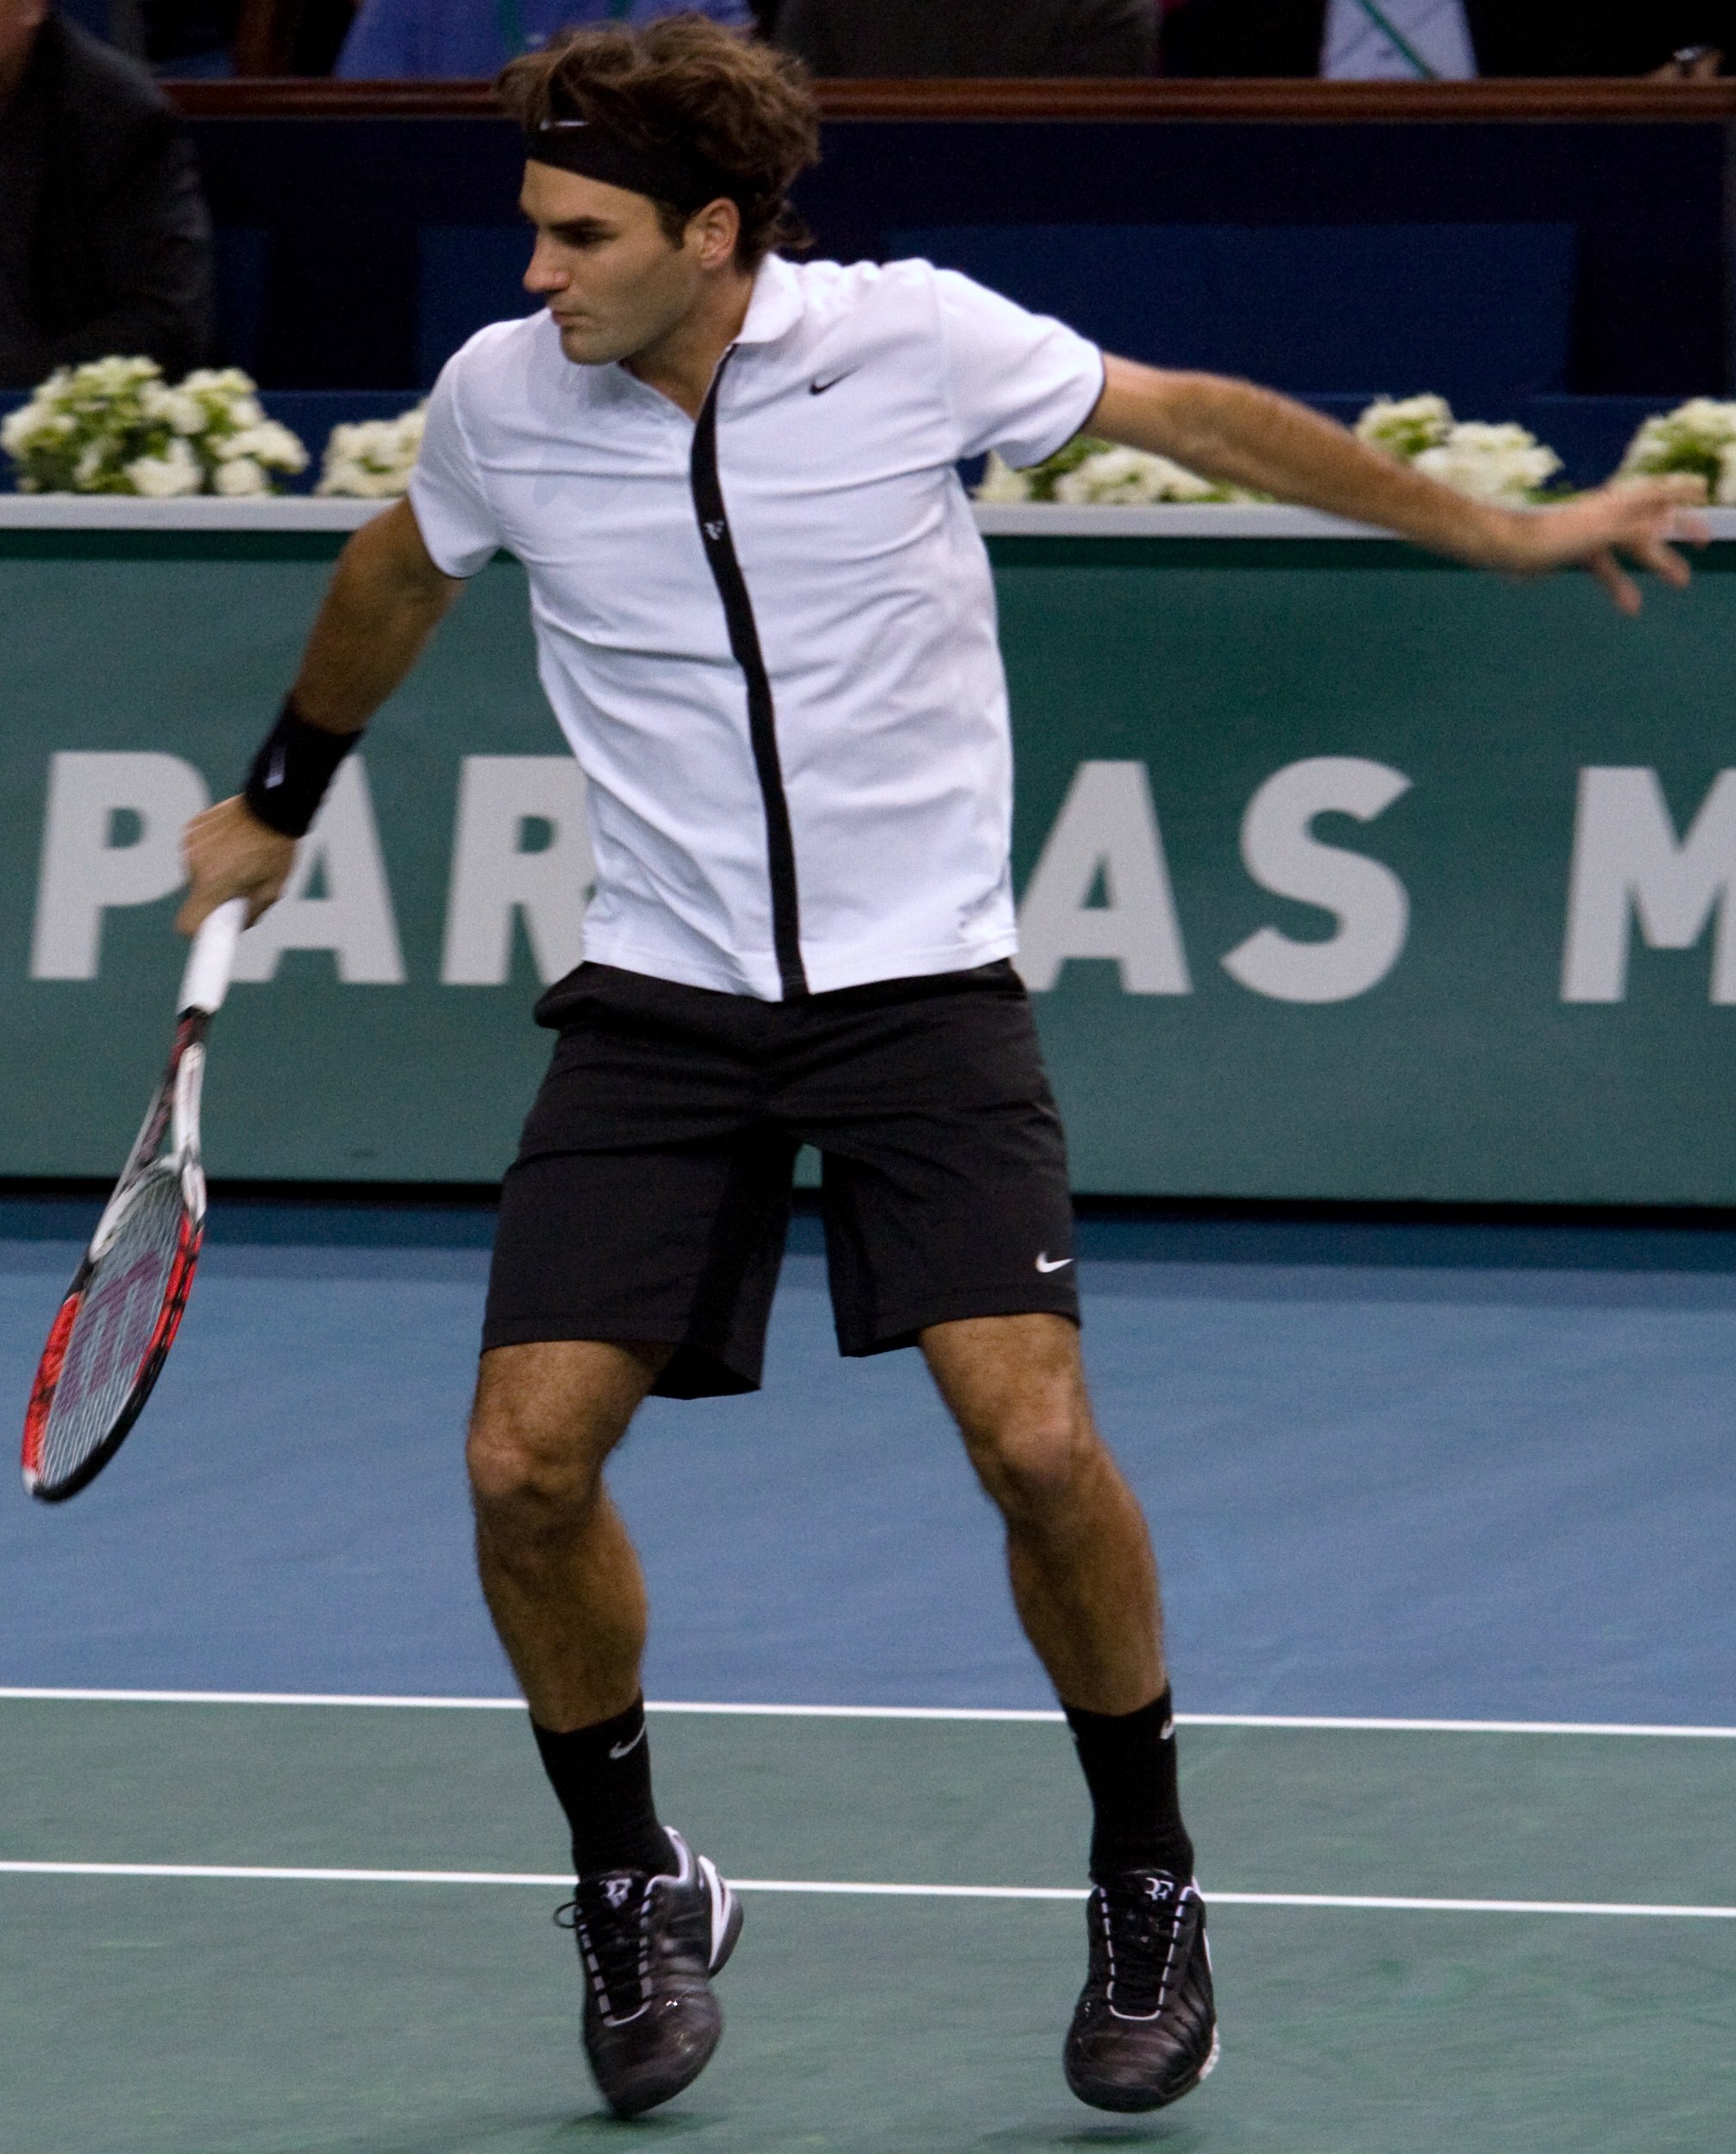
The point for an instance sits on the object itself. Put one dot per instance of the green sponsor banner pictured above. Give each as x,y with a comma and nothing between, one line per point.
1343,873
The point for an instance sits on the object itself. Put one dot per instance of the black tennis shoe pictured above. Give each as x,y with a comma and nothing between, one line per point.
649,1946
1145,2032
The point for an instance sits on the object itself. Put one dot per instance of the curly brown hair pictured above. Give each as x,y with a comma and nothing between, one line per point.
745,107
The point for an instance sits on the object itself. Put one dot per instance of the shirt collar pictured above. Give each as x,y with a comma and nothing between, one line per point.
776,305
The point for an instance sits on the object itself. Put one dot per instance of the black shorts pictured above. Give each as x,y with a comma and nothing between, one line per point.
650,1197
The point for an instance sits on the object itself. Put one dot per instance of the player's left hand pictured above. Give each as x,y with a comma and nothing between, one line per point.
1635,523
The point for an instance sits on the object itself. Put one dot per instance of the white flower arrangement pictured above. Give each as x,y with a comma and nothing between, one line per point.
1698,437
115,426
1090,472
1406,426
1494,463
375,458
1504,463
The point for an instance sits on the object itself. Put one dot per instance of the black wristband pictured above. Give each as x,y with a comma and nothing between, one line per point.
296,763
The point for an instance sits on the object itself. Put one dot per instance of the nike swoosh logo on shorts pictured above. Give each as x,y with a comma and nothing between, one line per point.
621,1750
1048,1263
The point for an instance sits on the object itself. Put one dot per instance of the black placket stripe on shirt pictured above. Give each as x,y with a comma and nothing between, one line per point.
744,642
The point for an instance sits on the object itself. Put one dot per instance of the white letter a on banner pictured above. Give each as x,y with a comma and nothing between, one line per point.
354,919
1107,831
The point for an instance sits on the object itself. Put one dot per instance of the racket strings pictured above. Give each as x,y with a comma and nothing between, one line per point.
126,1314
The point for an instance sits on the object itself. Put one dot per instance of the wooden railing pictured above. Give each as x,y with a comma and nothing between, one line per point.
302,97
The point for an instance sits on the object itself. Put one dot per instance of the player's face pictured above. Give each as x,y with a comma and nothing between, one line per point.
612,277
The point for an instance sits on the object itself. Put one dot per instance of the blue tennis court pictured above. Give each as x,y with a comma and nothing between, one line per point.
1421,1475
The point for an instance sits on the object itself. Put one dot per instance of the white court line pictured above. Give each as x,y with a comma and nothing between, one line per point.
283,1876
1444,1727
1363,1901
258,1698
1371,1725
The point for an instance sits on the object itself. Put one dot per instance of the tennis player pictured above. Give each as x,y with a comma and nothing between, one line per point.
766,623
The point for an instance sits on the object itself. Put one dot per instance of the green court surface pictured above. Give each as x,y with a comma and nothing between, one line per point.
366,2014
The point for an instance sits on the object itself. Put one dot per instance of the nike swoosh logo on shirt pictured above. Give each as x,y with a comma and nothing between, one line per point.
819,388
621,1750
1048,1263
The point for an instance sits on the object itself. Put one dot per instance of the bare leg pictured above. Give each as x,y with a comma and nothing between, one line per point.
653,1922
559,1573
1086,1587
1077,1549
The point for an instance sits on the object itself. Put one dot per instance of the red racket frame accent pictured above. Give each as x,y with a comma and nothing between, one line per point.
180,1285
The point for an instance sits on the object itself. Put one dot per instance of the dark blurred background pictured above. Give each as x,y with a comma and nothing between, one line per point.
1524,207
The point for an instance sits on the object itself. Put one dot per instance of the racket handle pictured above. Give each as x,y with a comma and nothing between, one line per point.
206,980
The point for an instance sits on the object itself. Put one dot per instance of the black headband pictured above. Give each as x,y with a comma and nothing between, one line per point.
667,172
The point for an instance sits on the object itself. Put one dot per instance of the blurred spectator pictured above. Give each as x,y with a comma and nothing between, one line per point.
472,38
305,37
971,37
1449,37
105,244
187,39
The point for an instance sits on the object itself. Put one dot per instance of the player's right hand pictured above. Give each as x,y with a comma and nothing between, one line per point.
229,853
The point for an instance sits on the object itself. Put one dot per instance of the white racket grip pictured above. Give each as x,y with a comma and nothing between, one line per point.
206,980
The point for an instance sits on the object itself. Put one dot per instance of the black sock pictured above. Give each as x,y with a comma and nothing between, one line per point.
1129,1762
602,1775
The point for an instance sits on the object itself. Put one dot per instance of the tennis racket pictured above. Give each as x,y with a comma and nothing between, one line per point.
115,1329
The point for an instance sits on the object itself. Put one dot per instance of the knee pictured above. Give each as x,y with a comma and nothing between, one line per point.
1034,1462
528,1477
546,1418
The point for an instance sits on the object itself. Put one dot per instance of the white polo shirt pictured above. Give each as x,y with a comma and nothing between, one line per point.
770,637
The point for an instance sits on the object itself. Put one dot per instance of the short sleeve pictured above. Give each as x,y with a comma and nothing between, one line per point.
451,506
1021,384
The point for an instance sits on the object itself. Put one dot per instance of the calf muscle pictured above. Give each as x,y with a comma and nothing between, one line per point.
559,1573
1078,1554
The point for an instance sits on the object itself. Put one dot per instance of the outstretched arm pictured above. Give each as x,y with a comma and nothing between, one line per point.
384,600
1231,430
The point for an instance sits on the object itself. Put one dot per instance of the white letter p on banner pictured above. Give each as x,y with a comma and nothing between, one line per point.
87,867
